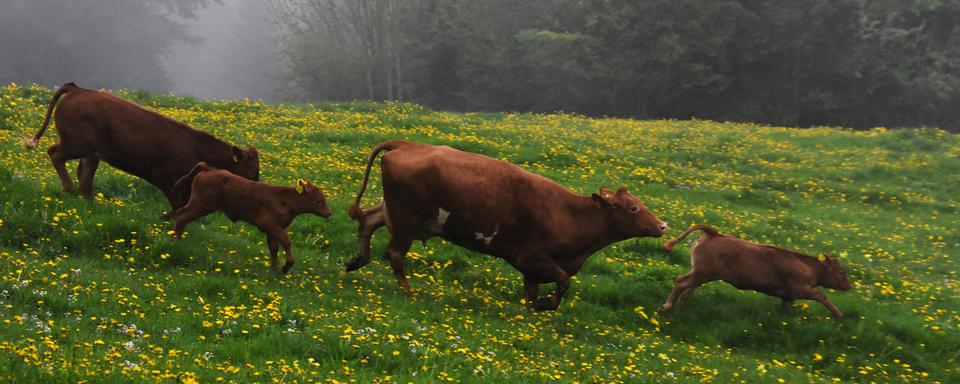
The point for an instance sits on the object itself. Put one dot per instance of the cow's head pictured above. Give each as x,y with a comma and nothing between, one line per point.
246,162
313,198
834,276
628,213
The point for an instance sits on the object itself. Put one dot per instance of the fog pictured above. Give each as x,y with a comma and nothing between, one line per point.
203,48
232,57
794,64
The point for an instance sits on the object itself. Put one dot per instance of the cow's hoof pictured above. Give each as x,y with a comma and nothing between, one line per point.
357,263
544,304
286,268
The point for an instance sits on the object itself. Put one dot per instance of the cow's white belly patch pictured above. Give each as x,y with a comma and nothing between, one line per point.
437,226
487,239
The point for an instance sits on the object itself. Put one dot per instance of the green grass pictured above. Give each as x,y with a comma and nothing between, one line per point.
77,275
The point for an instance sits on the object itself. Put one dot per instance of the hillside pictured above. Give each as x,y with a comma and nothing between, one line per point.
96,291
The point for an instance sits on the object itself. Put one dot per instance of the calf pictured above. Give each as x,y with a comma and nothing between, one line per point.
497,208
96,125
270,208
763,268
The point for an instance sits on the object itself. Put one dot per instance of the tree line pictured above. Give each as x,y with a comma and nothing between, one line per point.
96,43
853,63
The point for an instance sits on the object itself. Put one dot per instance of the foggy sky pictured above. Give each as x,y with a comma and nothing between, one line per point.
234,57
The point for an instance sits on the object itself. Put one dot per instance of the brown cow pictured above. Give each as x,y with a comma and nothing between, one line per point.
497,208
96,125
763,268
270,208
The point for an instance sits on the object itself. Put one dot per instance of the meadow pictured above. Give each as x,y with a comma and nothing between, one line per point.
96,291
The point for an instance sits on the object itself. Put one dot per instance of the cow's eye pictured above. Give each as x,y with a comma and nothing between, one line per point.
635,209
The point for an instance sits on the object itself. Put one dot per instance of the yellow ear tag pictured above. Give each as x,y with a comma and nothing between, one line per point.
300,186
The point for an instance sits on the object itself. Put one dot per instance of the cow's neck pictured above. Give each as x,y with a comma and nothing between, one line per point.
815,265
220,157
594,226
294,202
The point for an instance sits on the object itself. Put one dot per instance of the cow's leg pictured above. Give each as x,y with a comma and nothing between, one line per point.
785,305
531,288
176,199
397,249
370,222
273,245
562,279
683,288
85,172
814,294
281,235
59,159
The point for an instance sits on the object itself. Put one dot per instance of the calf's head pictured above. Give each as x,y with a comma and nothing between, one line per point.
833,275
628,213
312,199
246,163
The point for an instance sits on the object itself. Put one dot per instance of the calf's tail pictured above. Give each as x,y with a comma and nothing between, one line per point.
710,231
355,212
186,181
31,143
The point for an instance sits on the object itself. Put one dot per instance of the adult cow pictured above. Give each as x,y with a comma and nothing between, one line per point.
96,125
494,207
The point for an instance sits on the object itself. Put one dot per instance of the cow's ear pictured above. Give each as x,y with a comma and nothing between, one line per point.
604,198
302,186
622,191
237,154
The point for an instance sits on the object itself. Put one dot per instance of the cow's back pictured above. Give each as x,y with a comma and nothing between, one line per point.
480,197
127,135
745,264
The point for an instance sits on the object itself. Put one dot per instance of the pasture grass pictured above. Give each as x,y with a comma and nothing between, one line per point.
96,291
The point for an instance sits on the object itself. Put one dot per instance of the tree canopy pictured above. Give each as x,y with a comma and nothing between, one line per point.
853,63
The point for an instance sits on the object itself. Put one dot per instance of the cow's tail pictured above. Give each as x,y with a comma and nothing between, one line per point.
187,180
710,231
31,143
356,212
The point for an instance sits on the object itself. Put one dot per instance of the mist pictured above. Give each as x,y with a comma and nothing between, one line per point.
232,55
203,48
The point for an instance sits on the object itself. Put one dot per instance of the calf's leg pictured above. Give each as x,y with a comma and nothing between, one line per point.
85,172
372,220
683,288
186,214
273,245
279,235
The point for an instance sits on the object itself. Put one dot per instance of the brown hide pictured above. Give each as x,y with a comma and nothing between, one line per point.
763,268
94,126
270,208
497,208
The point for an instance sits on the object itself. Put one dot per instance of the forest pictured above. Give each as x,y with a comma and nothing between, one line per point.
850,63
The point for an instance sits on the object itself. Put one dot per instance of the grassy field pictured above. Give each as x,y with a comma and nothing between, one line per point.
96,291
